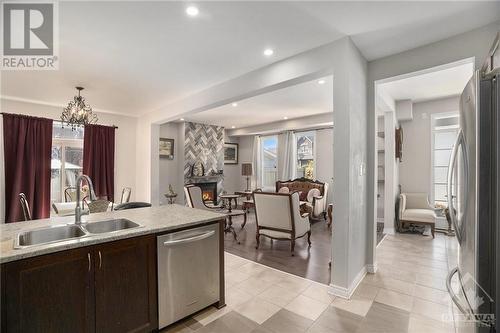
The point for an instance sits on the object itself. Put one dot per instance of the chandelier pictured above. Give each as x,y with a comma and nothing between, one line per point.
77,113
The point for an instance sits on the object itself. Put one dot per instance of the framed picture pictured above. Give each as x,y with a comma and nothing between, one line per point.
230,153
167,148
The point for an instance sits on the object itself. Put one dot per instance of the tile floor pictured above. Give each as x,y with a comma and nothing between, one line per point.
407,294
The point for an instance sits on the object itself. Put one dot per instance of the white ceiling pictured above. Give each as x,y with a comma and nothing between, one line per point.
305,99
134,57
428,86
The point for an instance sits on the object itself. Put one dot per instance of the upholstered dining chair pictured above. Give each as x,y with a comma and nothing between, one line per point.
25,207
277,216
132,205
98,206
125,195
248,203
70,194
194,198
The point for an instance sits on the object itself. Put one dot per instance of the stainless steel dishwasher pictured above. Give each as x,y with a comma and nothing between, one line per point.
188,272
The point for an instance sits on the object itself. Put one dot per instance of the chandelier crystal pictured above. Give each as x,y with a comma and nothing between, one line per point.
77,113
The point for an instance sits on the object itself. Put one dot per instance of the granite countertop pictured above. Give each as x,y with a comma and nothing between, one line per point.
153,220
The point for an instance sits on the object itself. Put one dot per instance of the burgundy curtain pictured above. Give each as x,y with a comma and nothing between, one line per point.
99,159
27,149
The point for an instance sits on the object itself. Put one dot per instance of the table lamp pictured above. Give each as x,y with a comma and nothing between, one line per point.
246,170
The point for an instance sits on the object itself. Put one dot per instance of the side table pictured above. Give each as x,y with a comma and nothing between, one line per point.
171,197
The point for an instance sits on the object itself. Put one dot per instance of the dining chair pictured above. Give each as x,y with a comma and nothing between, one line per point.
25,207
98,206
70,194
194,198
132,205
125,195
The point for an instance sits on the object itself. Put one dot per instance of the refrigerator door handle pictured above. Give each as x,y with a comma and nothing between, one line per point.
460,143
453,296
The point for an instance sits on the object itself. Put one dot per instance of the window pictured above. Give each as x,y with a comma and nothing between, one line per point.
67,159
269,160
305,154
445,130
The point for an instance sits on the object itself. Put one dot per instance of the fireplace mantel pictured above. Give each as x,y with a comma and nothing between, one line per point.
203,179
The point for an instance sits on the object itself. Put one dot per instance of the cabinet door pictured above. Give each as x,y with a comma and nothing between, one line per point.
125,283
50,293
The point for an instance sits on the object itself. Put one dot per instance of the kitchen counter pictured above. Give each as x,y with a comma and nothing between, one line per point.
153,220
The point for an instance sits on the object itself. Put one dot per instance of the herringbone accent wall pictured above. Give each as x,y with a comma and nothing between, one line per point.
204,143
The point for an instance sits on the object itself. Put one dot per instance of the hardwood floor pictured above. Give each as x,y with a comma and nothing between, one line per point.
308,262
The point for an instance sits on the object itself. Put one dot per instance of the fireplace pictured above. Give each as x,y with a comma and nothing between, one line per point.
208,191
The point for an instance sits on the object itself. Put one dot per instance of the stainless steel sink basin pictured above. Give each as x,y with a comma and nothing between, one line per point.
48,235
110,226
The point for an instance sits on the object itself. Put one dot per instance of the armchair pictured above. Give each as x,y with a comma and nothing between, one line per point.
313,194
415,208
277,216
194,198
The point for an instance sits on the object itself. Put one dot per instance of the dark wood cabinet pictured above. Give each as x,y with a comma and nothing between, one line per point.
125,283
109,287
50,293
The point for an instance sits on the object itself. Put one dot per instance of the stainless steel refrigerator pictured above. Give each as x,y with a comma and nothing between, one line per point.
474,208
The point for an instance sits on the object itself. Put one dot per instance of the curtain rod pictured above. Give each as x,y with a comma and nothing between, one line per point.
59,120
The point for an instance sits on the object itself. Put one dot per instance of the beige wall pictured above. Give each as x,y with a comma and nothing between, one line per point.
125,146
475,43
172,171
233,181
415,170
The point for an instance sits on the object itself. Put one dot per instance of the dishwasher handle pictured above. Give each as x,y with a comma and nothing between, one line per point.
189,239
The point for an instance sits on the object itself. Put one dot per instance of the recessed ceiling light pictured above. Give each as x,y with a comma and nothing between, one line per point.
285,118
234,104
233,126
192,11
321,82
182,119
268,52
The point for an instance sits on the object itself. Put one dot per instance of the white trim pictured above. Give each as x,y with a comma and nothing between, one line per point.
389,231
347,292
428,70
433,118
381,241
59,105
372,268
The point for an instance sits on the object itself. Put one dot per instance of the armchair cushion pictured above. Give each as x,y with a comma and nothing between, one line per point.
275,234
284,189
416,201
419,215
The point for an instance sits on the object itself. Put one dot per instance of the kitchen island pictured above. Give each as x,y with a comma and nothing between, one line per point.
99,282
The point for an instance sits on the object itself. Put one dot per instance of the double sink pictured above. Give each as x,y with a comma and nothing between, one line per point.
63,233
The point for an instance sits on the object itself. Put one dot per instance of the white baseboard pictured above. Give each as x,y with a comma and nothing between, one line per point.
389,231
371,268
347,292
